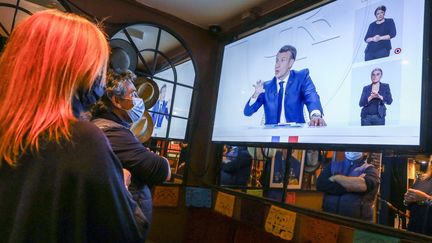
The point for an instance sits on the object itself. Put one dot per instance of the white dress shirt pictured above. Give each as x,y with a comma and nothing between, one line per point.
285,80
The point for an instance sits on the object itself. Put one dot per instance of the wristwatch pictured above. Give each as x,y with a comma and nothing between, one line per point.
315,115
428,201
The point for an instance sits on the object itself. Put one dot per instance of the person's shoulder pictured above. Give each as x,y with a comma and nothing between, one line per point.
385,84
268,83
367,86
107,125
424,178
89,143
86,129
390,20
370,168
244,152
86,133
300,73
116,132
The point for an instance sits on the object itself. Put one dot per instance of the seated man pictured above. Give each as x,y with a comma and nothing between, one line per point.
280,167
350,187
236,166
284,96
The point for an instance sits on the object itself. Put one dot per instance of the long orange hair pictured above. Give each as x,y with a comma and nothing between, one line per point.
47,58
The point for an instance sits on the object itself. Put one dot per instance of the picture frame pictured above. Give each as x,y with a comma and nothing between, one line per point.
277,169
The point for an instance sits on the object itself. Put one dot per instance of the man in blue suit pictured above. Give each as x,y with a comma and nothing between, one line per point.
293,89
161,107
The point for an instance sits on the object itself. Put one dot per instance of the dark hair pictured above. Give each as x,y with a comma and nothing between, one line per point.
163,87
291,49
382,8
116,85
116,82
377,69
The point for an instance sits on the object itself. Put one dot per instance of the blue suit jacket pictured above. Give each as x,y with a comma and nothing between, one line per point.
299,91
384,91
158,118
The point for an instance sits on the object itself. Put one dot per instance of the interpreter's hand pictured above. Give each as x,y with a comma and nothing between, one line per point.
362,175
259,88
413,195
317,121
376,38
375,94
127,178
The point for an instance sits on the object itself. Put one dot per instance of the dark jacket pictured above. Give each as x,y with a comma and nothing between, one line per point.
386,28
384,91
352,204
299,91
68,192
238,169
421,213
146,167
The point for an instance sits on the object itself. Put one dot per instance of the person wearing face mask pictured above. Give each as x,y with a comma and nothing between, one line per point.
59,179
118,108
350,187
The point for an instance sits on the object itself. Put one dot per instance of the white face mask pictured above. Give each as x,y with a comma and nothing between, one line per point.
353,155
137,110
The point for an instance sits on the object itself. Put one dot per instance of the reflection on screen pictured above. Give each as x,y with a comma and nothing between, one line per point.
353,77
180,100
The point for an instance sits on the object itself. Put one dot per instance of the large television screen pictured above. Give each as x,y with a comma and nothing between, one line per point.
348,72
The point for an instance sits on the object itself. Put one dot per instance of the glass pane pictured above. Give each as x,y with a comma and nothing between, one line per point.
170,46
7,14
182,101
178,128
167,74
143,36
148,58
186,73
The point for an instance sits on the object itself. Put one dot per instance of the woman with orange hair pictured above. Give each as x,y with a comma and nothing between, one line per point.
59,179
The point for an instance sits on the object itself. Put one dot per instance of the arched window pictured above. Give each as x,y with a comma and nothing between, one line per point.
163,58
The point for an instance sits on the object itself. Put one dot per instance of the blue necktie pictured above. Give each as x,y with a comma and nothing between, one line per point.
280,96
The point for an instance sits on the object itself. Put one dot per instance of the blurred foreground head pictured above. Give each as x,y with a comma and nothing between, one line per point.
49,59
